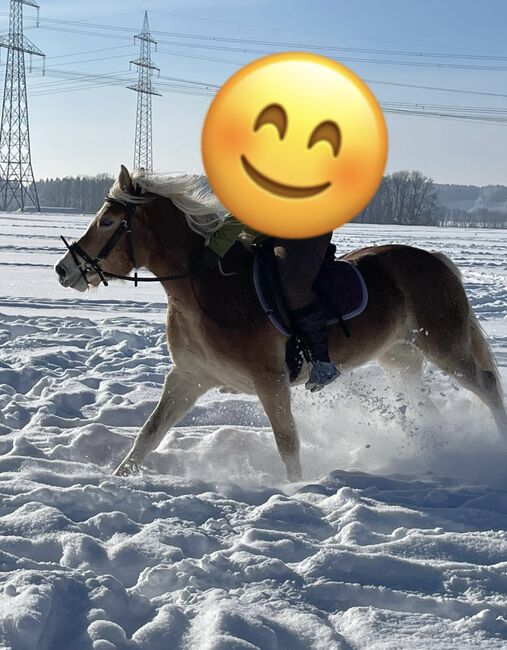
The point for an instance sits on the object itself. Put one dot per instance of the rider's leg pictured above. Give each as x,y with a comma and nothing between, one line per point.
299,262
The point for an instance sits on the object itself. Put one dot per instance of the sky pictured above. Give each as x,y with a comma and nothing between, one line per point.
81,127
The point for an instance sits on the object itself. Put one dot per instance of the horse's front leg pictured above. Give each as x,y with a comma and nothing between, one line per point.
179,394
274,395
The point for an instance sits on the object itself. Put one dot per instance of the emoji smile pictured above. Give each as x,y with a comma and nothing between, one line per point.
289,191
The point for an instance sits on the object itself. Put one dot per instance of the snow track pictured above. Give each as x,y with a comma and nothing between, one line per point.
395,538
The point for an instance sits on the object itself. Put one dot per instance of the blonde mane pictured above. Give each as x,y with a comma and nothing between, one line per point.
190,193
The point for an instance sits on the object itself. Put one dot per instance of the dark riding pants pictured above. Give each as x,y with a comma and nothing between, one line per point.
299,262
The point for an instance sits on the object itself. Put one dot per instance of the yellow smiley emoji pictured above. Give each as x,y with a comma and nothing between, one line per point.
294,145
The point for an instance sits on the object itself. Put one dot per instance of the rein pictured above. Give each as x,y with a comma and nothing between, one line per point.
124,228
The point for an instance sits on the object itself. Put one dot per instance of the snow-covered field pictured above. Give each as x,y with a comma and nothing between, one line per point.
395,539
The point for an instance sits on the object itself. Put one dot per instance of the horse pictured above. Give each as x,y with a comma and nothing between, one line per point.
218,336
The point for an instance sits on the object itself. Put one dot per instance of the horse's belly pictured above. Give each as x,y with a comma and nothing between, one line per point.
215,367
230,374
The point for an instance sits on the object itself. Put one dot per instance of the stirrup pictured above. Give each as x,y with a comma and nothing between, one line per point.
322,373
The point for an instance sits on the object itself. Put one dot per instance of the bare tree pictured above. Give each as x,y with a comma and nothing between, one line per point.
403,197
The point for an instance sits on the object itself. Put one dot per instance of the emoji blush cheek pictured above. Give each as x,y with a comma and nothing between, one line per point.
346,174
234,139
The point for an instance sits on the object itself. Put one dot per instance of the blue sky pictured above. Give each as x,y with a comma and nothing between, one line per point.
90,131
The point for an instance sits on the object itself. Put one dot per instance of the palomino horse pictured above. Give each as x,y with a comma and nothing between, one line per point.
218,335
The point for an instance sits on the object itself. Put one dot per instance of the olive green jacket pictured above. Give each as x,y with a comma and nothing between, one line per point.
229,233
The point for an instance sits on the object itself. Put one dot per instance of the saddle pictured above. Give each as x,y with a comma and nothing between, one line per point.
340,287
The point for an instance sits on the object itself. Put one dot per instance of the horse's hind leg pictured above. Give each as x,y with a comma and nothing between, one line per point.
275,398
403,364
179,394
486,375
484,383
490,392
472,364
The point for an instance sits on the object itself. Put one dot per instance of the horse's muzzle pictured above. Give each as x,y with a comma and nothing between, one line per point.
69,275
60,269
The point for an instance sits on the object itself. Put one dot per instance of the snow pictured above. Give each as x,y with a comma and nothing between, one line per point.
394,539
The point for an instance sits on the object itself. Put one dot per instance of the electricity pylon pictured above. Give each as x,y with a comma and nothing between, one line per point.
17,183
143,154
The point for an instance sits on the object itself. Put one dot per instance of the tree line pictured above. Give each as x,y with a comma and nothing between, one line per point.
82,193
404,197
410,197
481,218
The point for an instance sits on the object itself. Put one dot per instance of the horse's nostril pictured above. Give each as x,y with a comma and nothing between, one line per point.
60,270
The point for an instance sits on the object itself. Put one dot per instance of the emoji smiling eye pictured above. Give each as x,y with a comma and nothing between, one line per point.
273,114
328,131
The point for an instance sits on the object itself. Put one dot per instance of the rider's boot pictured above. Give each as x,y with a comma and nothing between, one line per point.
310,323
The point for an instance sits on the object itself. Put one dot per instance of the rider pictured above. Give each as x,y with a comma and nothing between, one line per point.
298,263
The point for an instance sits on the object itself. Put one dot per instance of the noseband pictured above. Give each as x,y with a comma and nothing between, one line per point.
123,228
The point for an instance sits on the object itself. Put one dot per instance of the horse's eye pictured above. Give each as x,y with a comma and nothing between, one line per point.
105,223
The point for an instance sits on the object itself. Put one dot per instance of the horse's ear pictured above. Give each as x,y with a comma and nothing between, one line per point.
125,181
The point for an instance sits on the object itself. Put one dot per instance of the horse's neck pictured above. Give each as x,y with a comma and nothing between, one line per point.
167,245
170,246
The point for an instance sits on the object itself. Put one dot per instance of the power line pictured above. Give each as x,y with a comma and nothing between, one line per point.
270,44
291,45
279,29
229,61
461,91
353,59
94,51
77,80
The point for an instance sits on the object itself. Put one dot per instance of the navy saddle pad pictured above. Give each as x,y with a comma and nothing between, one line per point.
339,285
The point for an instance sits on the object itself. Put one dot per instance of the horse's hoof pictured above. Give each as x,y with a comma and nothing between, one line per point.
127,469
294,474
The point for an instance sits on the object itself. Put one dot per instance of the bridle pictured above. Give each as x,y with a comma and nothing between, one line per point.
123,228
